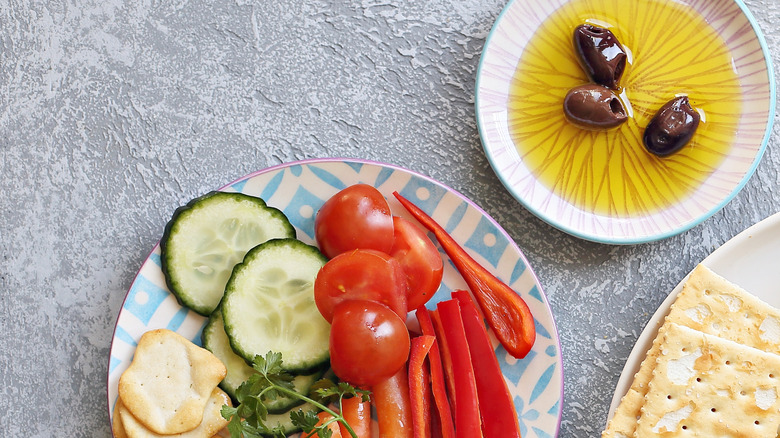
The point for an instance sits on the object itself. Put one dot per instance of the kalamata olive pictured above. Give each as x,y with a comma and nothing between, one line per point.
601,55
671,128
594,106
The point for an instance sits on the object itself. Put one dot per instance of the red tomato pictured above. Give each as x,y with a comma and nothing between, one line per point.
369,342
419,259
356,217
362,274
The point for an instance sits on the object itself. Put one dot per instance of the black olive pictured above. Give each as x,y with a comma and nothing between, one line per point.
601,55
671,128
594,106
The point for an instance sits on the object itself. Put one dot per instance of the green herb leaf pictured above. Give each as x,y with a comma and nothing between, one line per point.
247,420
305,420
323,391
234,426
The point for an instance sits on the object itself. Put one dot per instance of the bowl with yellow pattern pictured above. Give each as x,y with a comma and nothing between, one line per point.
609,185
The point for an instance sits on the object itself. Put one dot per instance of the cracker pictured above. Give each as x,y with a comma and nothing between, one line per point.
623,422
117,427
212,423
711,304
706,386
169,382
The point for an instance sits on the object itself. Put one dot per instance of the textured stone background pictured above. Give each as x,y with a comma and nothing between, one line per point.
113,113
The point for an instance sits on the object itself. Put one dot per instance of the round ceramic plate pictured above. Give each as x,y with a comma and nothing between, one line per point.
748,260
603,185
299,189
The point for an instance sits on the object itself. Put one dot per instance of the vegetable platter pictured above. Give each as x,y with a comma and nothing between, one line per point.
298,190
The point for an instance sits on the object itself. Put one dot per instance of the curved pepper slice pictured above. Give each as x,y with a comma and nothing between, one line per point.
506,312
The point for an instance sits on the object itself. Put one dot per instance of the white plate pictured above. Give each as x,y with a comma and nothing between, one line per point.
748,260
299,189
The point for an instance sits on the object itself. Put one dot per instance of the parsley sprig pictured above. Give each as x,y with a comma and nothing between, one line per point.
247,420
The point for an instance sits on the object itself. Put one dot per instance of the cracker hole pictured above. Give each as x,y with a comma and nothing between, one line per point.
685,428
698,379
669,397
728,362
757,422
771,375
713,410
742,393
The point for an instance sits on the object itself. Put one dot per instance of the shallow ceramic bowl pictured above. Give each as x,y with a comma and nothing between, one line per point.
746,53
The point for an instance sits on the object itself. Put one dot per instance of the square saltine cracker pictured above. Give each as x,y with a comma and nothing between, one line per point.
706,386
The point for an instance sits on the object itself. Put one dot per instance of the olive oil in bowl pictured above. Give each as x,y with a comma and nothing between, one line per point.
672,51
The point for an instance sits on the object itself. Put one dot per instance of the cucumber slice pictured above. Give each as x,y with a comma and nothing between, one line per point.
207,237
215,340
269,305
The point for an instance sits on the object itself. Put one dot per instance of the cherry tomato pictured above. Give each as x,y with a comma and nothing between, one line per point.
419,259
369,342
362,274
356,217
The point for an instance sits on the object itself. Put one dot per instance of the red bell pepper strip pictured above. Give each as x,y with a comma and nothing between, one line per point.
436,427
467,417
495,401
420,385
444,418
391,399
506,312
446,357
357,413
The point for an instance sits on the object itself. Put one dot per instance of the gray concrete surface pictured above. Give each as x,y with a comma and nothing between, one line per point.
113,113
